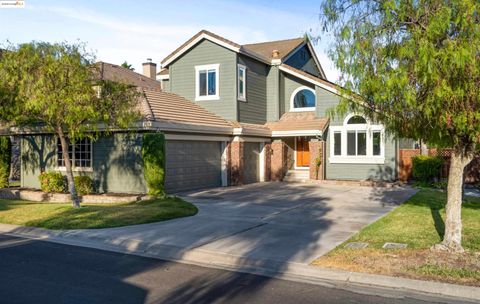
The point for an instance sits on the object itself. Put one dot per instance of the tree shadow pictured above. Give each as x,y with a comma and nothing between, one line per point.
38,153
438,222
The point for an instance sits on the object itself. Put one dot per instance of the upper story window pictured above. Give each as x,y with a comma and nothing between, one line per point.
357,141
303,99
207,82
242,82
80,154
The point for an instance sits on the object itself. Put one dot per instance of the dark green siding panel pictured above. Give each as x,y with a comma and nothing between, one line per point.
273,94
117,162
182,77
326,101
288,84
302,59
254,110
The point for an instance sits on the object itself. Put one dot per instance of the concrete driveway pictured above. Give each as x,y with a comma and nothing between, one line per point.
278,222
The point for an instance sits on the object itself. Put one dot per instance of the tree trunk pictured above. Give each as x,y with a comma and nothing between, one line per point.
452,240
68,166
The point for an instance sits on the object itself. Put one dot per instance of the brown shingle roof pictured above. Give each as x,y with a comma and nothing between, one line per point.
115,72
163,72
298,121
284,47
169,107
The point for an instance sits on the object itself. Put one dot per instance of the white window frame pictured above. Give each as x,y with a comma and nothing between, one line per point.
242,97
74,168
369,128
292,98
207,67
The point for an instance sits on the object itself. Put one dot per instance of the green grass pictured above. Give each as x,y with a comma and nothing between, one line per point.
63,216
419,222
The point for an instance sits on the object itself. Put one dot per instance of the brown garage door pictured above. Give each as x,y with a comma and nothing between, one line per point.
192,165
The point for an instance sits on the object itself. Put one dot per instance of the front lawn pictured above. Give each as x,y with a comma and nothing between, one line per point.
63,216
419,222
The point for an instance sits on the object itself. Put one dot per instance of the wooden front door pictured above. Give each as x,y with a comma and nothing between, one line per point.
303,152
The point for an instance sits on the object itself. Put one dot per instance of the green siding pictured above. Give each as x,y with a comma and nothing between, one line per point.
117,162
327,100
302,59
254,110
182,77
288,84
273,94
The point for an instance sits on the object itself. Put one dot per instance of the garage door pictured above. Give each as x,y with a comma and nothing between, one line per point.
192,165
251,162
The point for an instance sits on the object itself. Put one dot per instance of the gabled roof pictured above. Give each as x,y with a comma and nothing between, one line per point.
113,72
259,51
284,47
298,121
172,108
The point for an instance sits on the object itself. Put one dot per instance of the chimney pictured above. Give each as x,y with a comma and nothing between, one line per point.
275,54
150,69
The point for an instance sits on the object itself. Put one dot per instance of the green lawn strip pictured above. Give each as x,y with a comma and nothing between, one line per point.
419,222
89,216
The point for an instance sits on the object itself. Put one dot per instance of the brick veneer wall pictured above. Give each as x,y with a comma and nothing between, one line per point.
268,161
316,150
278,161
236,163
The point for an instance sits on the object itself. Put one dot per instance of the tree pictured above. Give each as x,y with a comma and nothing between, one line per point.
416,66
126,65
56,87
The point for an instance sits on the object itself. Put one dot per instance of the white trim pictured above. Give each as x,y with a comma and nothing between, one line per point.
312,52
72,161
163,77
261,162
308,79
224,163
296,133
206,68
195,137
251,139
292,99
206,36
369,129
251,131
75,169
243,97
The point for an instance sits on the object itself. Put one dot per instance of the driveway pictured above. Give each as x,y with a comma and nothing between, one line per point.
277,222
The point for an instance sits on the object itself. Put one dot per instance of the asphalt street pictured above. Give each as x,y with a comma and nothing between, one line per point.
42,272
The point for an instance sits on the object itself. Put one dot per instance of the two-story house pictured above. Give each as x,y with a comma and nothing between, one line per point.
232,114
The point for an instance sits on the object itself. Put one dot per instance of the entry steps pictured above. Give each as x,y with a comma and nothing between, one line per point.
297,176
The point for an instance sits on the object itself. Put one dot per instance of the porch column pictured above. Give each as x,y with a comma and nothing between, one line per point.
268,161
278,160
236,162
316,154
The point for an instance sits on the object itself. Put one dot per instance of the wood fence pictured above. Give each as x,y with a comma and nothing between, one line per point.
472,171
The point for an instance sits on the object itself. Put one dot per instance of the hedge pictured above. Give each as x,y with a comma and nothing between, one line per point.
153,155
5,160
83,185
426,168
53,182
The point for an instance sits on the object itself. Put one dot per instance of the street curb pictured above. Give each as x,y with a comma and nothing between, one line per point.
270,268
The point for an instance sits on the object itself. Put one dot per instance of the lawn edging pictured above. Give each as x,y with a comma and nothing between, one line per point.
289,271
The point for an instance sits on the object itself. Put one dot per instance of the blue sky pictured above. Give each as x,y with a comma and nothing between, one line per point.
119,30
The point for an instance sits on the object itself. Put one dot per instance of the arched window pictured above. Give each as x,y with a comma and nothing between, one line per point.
357,141
303,99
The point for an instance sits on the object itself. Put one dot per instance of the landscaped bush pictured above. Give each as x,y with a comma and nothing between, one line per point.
53,182
5,158
426,168
84,185
153,154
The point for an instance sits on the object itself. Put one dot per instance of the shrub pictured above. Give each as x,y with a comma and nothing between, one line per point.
83,184
153,155
426,168
5,160
53,182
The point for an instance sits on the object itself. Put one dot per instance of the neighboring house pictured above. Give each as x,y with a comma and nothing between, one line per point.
232,114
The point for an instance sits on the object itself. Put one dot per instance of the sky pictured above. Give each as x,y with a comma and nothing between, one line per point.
132,31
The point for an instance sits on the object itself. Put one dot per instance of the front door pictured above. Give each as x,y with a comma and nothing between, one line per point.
303,152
